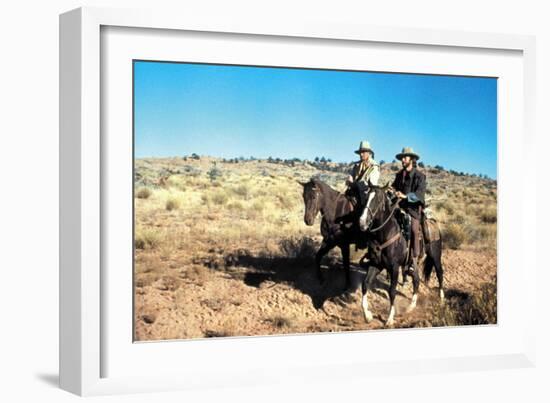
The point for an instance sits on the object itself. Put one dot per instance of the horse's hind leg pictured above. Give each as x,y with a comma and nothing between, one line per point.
439,272
323,250
435,256
393,293
404,275
367,282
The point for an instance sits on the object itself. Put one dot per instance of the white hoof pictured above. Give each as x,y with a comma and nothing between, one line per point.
368,316
365,305
441,295
412,305
389,321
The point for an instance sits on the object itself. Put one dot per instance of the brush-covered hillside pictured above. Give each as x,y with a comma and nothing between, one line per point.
221,249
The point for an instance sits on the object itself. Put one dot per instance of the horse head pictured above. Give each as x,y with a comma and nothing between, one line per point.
376,205
312,200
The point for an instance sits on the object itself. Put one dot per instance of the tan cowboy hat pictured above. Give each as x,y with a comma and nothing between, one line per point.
364,146
407,151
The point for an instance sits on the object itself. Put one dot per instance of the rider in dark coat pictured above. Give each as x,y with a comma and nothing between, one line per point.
410,187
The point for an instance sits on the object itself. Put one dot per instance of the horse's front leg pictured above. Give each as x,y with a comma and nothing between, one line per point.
345,257
323,250
372,272
393,293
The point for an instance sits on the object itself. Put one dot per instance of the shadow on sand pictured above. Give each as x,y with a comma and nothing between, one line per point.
300,273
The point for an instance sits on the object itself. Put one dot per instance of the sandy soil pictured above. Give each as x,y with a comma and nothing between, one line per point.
248,295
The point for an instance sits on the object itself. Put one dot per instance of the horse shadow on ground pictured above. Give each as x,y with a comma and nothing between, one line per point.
300,273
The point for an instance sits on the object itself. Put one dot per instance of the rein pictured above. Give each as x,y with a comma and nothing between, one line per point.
391,240
387,219
388,242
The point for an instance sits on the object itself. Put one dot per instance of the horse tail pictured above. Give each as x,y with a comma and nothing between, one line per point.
428,267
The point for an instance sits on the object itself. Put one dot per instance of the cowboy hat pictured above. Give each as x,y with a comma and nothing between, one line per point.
364,146
407,151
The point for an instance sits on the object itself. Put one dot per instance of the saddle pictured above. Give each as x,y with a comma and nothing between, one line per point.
430,226
404,220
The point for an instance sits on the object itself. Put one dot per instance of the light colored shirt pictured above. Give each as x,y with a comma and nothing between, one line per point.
365,172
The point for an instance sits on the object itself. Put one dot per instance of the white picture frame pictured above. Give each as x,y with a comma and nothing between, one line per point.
85,344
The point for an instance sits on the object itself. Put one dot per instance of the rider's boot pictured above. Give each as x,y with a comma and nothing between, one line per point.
412,266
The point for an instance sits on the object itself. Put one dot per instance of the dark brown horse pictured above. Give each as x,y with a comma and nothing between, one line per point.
334,208
388,250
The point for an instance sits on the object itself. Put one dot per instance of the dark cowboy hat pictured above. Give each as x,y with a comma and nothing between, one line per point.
407,151
364,146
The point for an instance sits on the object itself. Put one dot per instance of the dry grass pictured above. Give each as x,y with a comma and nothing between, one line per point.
477,309
143,193
489,215
148,238
280,322
298,247
453,235
172,204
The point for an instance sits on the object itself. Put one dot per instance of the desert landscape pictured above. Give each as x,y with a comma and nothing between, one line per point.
221,249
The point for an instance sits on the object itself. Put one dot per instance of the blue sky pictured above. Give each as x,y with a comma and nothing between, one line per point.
232,111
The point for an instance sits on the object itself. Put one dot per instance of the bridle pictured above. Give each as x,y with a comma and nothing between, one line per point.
317,193
383,206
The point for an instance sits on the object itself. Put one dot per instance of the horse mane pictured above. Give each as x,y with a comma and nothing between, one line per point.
323,185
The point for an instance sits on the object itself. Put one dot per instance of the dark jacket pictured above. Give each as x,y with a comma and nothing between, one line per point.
413,185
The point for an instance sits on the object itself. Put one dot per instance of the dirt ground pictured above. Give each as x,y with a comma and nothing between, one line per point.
261,298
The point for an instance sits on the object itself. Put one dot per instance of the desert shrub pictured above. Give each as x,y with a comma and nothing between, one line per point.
285,201
298,248
196,274
143,193
242,191
453,235
176,181
219,197
235,206
482,235
476,233
147,238
172,204
214,173
227,328
458,219
489,215
257,207
280,322
448,206
477,309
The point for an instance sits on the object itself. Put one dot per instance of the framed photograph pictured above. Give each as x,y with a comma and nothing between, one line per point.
242,202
